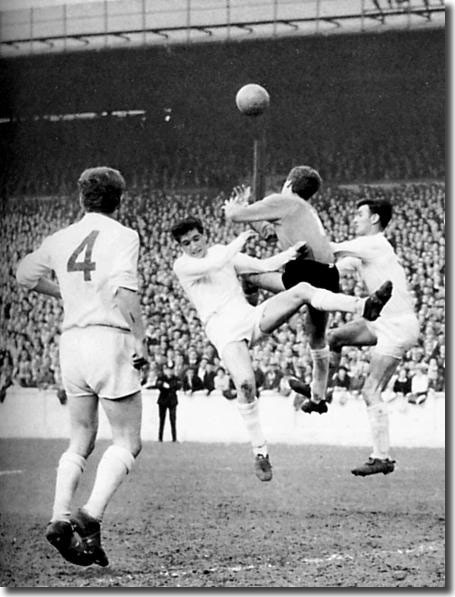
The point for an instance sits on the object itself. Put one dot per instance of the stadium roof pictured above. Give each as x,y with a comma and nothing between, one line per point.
40,26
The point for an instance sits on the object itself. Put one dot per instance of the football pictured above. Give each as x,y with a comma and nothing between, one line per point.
252,99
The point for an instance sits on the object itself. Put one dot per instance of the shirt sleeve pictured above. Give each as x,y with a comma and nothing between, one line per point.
271,208
363,247
194,267
124,274
245,264
348,265
34,266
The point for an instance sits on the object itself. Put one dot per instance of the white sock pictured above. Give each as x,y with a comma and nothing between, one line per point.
320,358
115,464
69,471
250,415
379,425
324,300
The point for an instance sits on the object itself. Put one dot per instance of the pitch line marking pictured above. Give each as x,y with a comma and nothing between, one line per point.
14,472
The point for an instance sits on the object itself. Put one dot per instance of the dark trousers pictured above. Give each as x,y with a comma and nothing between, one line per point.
172,417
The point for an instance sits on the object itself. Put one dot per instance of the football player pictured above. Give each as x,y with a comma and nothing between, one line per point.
101,350
395,331
295,220
209,277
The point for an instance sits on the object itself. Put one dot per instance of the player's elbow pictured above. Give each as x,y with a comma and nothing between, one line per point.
22,278
126,298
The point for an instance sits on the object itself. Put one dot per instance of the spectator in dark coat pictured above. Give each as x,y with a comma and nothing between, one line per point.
168,384
191,381
206,374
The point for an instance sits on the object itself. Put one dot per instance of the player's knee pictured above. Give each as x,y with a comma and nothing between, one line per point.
301,293
90,447
334,342
317,339
136,447
83,444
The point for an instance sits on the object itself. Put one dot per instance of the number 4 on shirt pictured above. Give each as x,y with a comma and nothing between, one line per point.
85,265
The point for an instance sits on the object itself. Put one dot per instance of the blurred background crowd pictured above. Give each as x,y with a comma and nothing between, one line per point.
31,322
367,110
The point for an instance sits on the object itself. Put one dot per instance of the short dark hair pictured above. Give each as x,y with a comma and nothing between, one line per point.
382,207
305,181
101,189
184,226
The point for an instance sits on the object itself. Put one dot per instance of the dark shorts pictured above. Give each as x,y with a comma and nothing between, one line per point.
320,275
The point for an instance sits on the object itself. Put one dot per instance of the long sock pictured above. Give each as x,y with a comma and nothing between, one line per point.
379,425
250,415
115,464
324,300
320,359
69,471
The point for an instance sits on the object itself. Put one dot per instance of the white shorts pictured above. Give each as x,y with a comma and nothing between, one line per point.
98,360
226,327
395,336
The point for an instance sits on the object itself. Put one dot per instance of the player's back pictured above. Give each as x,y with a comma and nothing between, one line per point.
299,221
91,258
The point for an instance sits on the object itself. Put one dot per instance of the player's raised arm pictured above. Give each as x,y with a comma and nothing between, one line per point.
271,208
363,247
195,267
245,264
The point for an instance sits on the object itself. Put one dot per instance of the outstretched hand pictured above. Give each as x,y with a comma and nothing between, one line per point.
242,194
239,198
247,234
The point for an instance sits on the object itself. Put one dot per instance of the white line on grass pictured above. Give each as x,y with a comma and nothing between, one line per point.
11,472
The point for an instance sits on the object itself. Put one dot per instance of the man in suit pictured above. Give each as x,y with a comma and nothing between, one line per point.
167,384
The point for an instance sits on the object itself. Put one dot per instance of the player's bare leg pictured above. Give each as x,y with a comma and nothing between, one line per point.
236,357
316,324
124,415
283,305
325,300
382,367
271,281
357,333
83,411
354,333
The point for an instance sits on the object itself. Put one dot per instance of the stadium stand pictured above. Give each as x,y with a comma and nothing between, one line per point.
32,322
380,121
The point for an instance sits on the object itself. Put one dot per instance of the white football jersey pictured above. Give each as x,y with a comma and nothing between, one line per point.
211,282
91,259
374,259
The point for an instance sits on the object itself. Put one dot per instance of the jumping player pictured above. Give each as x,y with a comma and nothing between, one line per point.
101,349
209,276
394,332
295,220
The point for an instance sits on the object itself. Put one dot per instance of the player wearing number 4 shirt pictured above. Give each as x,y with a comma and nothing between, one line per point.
101,349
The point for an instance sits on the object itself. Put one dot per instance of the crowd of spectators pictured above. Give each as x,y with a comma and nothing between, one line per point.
30,322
